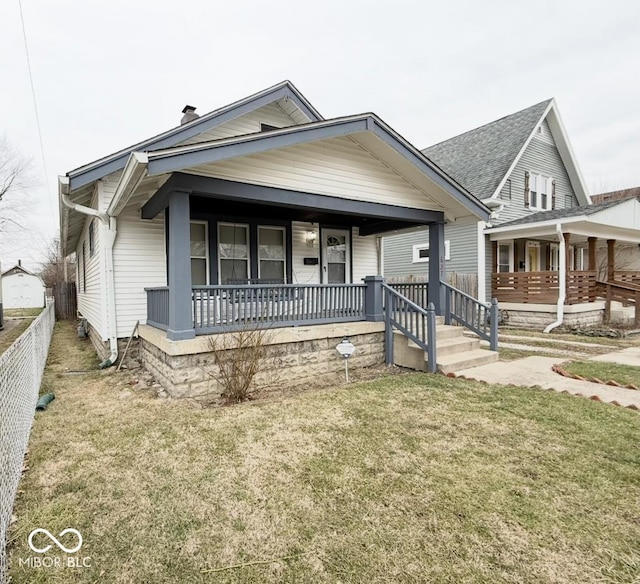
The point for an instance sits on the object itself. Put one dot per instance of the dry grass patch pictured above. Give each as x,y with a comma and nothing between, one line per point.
411,478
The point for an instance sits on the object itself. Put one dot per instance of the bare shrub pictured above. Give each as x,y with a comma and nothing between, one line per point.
238,358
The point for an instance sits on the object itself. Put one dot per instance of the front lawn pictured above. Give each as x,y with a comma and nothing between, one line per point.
622,374
412,478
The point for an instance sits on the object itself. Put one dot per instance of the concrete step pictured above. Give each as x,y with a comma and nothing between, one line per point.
459,361
456,345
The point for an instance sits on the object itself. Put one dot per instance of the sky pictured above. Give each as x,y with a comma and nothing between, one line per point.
109,74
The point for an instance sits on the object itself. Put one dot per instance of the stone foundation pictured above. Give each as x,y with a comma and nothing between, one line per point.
539,316
295,357
103,351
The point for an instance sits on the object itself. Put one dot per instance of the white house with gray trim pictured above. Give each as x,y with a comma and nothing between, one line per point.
258,213
21,288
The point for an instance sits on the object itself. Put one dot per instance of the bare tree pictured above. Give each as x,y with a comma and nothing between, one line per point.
14,176
52,270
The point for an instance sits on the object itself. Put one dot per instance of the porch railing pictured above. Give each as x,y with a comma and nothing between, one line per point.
158,307
543,287
479,317
628,276
222,308
417,292
413,321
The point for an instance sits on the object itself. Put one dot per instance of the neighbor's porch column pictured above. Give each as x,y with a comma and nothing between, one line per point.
179,280
436,266
592,253
611,259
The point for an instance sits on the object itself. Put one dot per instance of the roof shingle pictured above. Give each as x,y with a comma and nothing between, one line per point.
480,158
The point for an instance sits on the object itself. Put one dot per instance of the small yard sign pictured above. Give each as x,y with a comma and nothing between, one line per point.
346,348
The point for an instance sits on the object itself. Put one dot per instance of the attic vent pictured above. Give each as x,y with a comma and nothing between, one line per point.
190,114
540,130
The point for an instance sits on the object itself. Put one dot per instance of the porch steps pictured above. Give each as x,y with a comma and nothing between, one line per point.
454,351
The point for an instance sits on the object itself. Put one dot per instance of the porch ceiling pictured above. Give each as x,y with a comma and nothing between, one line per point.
236,199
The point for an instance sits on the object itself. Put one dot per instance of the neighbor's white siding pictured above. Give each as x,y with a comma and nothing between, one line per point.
90,281
139,262
338,167
248,124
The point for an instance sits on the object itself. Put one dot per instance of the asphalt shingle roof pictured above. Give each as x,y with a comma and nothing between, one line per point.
480,158
561,213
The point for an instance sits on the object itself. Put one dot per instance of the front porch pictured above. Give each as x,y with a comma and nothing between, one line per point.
573,270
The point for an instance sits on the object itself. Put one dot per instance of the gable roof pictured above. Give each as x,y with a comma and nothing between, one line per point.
18,269
100,168
482,159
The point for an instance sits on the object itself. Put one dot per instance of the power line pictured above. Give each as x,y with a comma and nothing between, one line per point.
35,108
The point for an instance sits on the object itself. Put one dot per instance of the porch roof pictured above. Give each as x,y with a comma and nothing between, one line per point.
609,220
435,191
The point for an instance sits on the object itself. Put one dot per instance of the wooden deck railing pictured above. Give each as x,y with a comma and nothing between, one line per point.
543,287
623,292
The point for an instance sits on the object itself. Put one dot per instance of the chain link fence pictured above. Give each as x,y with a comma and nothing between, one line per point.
21,368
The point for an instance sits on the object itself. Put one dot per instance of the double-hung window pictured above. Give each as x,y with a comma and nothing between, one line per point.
540,191
233,252
271,253
199,254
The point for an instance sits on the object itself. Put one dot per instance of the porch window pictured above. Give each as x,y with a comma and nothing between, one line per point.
576,258
540,187
271,253
199,254
421,252
505,257
233,252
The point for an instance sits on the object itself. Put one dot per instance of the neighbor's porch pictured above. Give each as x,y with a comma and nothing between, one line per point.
582,269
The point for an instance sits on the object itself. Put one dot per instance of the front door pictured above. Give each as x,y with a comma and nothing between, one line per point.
336,256
532,259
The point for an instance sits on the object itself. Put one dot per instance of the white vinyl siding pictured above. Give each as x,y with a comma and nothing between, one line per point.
139,262
304,274
270,114
365,256
338,167
90,279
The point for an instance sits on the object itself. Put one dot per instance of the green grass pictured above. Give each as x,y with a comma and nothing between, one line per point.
21,312
623,374
410,478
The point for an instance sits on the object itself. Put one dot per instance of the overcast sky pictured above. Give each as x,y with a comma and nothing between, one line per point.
110,73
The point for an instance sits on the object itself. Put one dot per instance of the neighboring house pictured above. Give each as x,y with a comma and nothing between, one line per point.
523,168
261,213
22,289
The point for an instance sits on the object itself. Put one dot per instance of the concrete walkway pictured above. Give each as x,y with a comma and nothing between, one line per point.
536,371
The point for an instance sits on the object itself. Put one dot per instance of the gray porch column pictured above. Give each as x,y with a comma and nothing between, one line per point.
179,257
436,266
373,298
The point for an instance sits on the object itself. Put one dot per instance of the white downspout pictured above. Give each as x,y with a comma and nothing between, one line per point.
109,241
562,281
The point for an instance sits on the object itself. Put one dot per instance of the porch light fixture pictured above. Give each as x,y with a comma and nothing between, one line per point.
311,238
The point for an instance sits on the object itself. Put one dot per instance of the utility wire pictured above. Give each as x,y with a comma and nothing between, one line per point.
35,108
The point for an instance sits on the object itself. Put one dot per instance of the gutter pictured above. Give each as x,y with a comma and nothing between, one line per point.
107,243
562,281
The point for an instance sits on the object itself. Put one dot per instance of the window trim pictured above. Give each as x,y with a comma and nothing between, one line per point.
92,238
417,248
84,266
206,249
